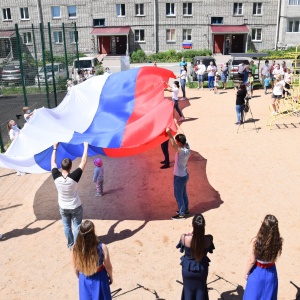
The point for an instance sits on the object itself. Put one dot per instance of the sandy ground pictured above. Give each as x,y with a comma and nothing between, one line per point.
235,180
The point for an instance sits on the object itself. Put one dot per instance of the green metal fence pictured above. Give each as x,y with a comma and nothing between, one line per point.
35,64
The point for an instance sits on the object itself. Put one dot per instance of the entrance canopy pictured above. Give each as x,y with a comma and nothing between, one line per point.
228,29
7,34
108,31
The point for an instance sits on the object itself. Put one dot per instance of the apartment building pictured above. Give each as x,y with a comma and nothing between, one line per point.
123,26
288,23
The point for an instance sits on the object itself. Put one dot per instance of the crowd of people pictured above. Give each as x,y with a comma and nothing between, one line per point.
90,257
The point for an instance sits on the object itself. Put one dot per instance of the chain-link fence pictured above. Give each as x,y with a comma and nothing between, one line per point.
35,64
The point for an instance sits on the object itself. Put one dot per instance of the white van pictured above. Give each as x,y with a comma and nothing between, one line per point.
84,63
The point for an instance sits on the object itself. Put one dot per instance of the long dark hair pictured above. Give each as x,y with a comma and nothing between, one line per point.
242,87
268,244
176,83
197,243
85,250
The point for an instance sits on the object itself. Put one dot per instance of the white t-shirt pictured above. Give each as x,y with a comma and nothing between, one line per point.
241,68
181,159
278,88
201,69
288,77
211,70
175,92
13,133
183,74
265,70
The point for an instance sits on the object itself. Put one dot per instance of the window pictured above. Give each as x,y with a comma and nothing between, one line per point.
170,35
58,37
238,9
139,9
120,10
27,38
187,9
6,14
294,2
187,34
216,20
293,25
98,22
257,8
72,37
24,13
256,34
139,35
55,10
170,9
72,11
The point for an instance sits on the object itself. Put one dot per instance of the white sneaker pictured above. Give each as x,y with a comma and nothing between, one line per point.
98,195
18,173
202,88
182,119
275,113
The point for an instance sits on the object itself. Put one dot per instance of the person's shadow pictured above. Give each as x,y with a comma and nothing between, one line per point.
298,290
235,294
23,231
113,236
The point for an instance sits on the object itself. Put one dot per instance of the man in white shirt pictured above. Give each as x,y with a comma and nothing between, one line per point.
200,74
66,183
241,70
265,70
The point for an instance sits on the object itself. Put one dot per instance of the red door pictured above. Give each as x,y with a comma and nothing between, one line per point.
104,42
218,43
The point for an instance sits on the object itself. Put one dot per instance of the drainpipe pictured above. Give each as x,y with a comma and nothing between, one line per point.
155,26
39,11
277,23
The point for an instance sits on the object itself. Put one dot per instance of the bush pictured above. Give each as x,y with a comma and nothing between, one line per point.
138,56
167,56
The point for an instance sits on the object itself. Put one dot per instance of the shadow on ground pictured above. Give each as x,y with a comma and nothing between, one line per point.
135,189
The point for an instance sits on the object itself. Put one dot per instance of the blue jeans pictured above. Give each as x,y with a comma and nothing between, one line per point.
239,112
181,194
211,80
68,215
182,83
177,107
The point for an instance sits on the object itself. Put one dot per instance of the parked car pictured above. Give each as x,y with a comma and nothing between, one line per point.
11,73
196,61
233,65
84,63
59,71
296,64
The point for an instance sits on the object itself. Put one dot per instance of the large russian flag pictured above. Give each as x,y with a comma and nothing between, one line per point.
119,114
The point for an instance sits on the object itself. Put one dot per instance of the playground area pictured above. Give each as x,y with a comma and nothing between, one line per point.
235,180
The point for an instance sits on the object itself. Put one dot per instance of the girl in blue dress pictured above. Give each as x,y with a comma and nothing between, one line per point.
92,264
195,262
261,274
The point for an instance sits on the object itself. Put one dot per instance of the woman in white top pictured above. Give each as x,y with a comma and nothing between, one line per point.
182,77
288,78
175,91
279,86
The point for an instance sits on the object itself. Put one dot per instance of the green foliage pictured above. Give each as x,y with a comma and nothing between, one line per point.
138,56
61,83
99,70
60,58
280,54
167,56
